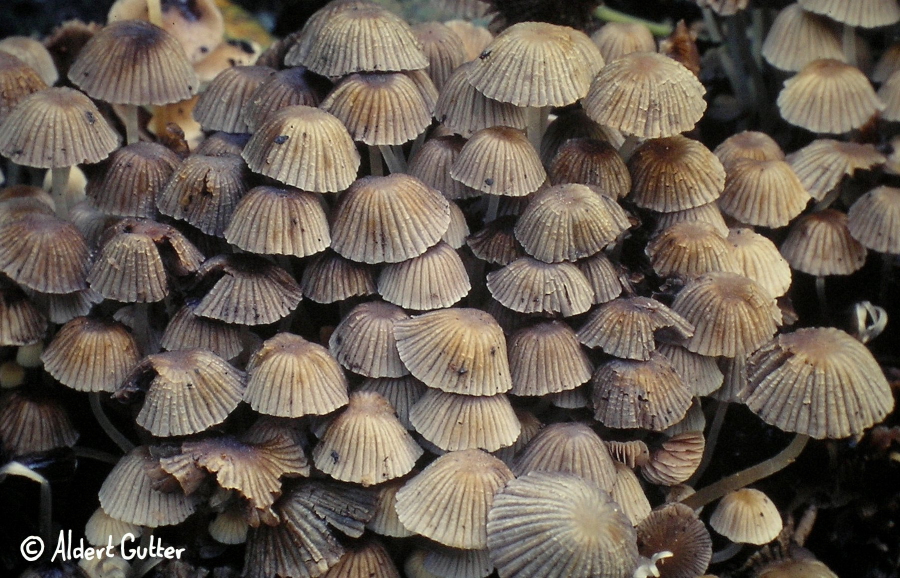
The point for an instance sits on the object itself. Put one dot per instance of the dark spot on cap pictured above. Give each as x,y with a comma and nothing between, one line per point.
335,456
484,54
489,182
204,49
281,139
90,117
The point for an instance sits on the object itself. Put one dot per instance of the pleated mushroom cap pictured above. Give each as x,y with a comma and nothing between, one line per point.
379,108
444,49
364,343
499,160
700,372
639,394
437,278
366,444
291,377
328,277
820,244
764,193
458,231
553,524
626,327
676,528
748,145
188,331
568,448
131,179
44,253
221,104
630,495
673,174
289,87
569,222
616,39
591,161
367,559
459,422
676,460
91,354
558,61
306,148
277,221
475,38
530,286
204,191
690,248
464,110
822,164
401,392
442,561
385,522
731,314
455,350
222,143
449,500
496,242
388,219
758,259
134,62
647,95
747,516
187,391
874,220
382,42
56,127
34,422
17,80
546,358
811,98
571,123
101,526
632,453
864,13
127,494
708,213
890,94
798,37
20,321
817,381
602,276
247,290
431,165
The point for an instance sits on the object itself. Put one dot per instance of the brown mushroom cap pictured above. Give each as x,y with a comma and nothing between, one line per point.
874,220
820,244
748,145
530,286
131,179
44,253
499,160
31,421
747,516
863,13
459,422
364,343
17,80
676,528
616,39
496,242
546,358
20,321
798,37
570,448
188,331
626,327
690,248
289,87
328,277
591,161
764,193
465,111
221,104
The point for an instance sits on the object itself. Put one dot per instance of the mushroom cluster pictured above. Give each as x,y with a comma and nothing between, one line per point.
421,300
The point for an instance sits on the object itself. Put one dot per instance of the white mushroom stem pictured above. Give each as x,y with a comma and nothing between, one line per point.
120,440
726,553
59,187
647,566
45,519
376,169
393,158
154,12
537,124
627,148
849,38
130,119
712,437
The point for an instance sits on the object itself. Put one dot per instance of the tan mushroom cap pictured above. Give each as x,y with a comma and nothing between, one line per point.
188,331
291,377
530,286
546,358
444,49
134,62
758,259
817,381
569,448
500,161
731,314
748,145
277,221
385,522
690,248
91,354
306,148
673,174
221,104
366,559
701,373
33,53
328,277
570,123
381,42
56,127
603,277
820,244
798,37
797,567
364,343
822,164
456,350
862,13
631,453
569,222
17,80
460,422
437,278
31,421
554,524
388,219
465,111
289,87
44,253
626,327
401,392
458,231
678,457
558,61
431,165
101,526
496,242
747,516
890,94
20,321
647,95
639,394
127,494
449,500
676,528
443,561
379,108
366,444
131,179
475,38
708,213
812,98
530,426
764,193
874,220
591,162
616,39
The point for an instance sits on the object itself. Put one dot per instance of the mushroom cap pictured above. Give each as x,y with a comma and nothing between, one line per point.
401,392
444,49
131,179
364,343
810,99
708,213
764,193
31,421
568,448
221,104
798,37
475,38
499,160
746,516
460,422
602,276
328,277
20,321
546,358
890,94
630,495
17,80
678,457
554,524
31,52
188,331
54,128
496,242
101,526
690,248
822,164
134,62
647,95
464,110
817,381
862,13
676,528
366,559
385,522
431,165
558,61
289,87
437,278
573,122
591,161
616,39
626,327
530,286
874,220
748,144
820,244
758,259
